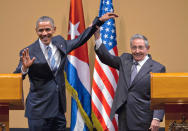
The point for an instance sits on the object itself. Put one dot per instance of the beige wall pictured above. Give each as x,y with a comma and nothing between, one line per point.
163,22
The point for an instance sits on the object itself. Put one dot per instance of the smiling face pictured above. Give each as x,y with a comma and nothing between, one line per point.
139,49
45,32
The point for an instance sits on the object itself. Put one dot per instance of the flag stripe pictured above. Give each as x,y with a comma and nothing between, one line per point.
79,122
74,111
104,119
107,72
99,116
82,71
101,98
115,74
104,79
75,82
101,85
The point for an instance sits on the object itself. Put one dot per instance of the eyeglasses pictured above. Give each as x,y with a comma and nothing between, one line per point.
137,47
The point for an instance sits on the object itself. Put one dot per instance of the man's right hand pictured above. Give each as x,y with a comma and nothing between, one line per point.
26,60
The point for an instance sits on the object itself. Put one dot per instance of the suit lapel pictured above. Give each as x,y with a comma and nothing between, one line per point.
145,69
60,45
127,70
37,51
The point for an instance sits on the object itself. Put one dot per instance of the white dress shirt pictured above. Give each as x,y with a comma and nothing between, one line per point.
141,63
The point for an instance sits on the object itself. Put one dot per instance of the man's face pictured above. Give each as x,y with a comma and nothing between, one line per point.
45,32
138,49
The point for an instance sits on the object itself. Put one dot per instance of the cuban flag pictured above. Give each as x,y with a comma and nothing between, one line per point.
78,73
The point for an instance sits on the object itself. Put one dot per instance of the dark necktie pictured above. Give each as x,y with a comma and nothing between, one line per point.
134,71
51,59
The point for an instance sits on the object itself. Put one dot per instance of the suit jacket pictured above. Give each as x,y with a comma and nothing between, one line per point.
132,102
47,91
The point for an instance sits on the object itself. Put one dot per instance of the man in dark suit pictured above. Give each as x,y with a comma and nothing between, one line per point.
132,98
44,62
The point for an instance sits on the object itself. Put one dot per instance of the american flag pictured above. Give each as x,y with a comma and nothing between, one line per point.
104,77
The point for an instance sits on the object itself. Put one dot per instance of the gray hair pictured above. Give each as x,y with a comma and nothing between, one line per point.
139,36
45,19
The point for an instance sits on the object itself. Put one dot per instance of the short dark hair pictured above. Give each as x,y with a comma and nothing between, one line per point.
45,18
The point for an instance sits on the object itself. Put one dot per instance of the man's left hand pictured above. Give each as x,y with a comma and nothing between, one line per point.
155,124
107,16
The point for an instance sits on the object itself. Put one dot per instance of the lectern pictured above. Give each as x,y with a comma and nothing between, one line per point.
11,97
169,91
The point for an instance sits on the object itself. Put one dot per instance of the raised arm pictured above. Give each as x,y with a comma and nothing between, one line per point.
103,54
86,35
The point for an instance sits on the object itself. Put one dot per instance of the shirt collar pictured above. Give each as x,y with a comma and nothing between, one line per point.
43,46
141,63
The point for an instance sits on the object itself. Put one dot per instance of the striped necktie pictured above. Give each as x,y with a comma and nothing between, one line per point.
51,59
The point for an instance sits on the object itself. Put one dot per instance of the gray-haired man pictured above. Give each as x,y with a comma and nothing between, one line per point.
132,98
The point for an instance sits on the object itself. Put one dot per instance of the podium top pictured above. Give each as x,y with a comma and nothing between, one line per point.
17,75
169,88
169,74
11,90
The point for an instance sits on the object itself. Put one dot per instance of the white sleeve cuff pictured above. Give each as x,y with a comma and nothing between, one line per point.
23,73
156,119
98,43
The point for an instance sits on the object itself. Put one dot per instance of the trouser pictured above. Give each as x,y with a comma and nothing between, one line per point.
57,123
